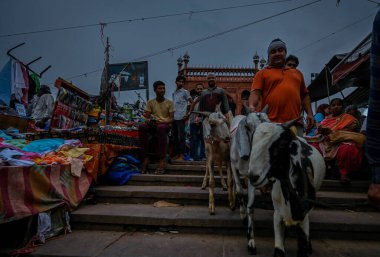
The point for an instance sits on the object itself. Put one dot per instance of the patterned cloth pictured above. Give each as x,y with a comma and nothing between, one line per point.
373,119
25,191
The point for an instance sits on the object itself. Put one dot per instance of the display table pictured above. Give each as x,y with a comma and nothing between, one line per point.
25,191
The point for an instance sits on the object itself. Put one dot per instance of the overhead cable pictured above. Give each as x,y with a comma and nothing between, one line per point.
141,19
170,49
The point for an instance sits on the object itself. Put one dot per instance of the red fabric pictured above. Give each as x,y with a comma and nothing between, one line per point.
283,91
349,159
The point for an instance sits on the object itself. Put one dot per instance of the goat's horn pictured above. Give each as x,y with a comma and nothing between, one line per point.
202,113
290,123
265,109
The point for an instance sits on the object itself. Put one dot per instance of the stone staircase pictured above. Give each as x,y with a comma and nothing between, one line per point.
174,205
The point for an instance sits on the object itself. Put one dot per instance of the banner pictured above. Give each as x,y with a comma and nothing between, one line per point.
129,76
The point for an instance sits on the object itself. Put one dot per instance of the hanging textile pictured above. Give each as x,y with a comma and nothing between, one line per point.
6,83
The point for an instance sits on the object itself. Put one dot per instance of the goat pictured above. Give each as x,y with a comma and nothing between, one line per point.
295,171
217,145
242,130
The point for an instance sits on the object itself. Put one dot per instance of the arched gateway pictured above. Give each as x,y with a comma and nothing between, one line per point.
236,81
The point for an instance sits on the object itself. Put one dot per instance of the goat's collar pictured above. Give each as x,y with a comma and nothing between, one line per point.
213,140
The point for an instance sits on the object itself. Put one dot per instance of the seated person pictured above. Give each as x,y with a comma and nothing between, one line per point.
323,111
340,142
354,111
159,113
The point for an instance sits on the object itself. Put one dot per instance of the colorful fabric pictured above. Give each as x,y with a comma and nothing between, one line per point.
44,145
160,110
25,191
103,156
282,90
342,122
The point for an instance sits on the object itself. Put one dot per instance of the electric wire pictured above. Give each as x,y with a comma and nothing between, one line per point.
170,49
140,19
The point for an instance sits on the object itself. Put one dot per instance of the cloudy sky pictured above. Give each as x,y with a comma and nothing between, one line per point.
314,33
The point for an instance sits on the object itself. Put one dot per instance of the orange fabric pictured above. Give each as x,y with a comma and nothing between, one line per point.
104,155
341,122
283,91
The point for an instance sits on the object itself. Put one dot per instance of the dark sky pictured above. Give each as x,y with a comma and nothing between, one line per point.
314,33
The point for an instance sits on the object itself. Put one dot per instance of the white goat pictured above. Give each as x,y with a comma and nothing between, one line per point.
297,170
217,145
242,130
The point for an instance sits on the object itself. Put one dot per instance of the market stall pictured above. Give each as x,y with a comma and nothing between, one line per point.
49,170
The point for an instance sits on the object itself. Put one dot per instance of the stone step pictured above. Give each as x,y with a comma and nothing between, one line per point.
188,195
331,224
195,178
83,243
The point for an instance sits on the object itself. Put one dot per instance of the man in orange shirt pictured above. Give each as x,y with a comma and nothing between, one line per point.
282,89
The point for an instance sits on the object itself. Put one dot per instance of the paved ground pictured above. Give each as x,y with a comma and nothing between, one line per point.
166,244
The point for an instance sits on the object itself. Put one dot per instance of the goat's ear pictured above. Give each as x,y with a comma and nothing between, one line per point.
202,113
265,109
290,123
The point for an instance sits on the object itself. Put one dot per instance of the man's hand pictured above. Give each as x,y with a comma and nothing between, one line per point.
310,121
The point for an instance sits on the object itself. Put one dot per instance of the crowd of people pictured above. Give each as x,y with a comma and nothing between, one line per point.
334,131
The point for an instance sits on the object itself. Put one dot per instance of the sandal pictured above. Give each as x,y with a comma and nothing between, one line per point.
159,171
161,167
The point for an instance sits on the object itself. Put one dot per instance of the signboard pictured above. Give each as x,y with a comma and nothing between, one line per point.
130,76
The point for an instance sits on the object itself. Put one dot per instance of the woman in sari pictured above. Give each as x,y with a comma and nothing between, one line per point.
340,141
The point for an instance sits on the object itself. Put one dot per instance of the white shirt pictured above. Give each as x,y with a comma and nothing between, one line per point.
42,107
180,99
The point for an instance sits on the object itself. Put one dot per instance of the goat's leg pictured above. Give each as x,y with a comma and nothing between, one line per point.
279,233
251,212
304,244
211,186
222,181
231,194
204,183
239,192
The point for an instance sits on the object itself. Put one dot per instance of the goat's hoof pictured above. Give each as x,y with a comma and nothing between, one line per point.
203,188
278,253
211,210
224,188
252,250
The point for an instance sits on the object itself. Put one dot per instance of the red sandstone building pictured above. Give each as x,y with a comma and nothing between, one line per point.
236,81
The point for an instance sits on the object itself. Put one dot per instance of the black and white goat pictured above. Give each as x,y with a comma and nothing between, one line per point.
296,171
242,130
217,145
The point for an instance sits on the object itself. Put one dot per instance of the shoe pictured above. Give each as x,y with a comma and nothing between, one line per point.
191,159
344,180
179,157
